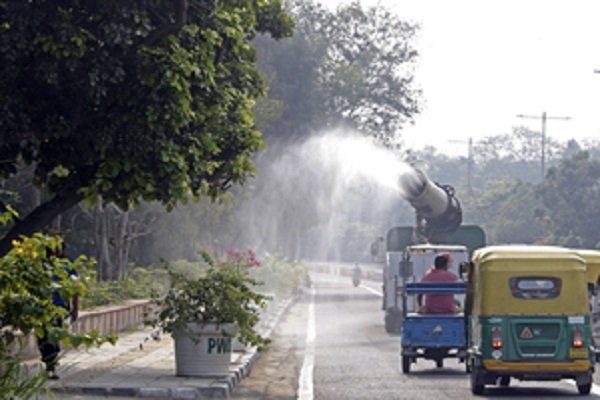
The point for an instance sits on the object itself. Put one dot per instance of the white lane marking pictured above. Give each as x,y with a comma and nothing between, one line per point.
374,291
305,382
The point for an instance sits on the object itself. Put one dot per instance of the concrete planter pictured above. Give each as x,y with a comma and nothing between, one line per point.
204,350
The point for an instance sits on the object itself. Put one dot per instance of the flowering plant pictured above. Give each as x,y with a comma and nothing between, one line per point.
224,293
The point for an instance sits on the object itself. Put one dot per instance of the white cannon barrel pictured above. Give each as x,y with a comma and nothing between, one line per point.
433,203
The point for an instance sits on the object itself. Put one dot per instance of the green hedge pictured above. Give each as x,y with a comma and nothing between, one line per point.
278,276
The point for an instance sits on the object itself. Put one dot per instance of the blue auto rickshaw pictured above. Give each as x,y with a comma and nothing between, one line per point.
432,336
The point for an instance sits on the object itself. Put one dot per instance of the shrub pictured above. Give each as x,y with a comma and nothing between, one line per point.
29,275
224,293
280,276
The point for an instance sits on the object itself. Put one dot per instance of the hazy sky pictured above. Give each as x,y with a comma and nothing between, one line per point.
482,62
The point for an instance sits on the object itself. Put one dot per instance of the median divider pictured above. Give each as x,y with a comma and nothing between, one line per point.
106,320
142,364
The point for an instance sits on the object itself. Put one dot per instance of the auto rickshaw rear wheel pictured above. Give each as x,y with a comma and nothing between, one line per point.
477,381
406,364
584,388
439,363
584,383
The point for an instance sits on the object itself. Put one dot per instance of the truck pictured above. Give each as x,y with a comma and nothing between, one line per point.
410,250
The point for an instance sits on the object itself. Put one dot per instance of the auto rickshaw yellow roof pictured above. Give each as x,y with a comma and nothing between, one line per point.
592,261
588,255
524,252
495,266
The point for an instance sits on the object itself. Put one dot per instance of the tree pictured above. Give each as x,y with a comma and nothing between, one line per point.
368,72
129,100
351,67
571,194
509,212
513,156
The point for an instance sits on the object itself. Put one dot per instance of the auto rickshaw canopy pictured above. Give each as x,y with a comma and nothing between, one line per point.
528,280
592,261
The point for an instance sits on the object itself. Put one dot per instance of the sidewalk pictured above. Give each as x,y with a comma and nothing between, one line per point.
140,366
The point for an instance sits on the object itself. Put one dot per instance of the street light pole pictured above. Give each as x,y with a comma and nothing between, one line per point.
543,144
543,133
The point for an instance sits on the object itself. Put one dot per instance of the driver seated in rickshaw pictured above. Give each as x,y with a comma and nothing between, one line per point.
439,303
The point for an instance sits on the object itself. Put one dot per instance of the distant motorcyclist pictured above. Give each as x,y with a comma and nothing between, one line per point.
307,281
356,275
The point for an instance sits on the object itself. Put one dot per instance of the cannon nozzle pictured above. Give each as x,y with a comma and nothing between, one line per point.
438,210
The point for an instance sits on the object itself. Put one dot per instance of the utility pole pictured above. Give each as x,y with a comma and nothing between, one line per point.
544,117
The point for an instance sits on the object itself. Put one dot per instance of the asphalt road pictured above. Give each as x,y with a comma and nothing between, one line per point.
332,345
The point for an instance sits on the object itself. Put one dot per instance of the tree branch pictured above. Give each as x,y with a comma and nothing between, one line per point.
39,218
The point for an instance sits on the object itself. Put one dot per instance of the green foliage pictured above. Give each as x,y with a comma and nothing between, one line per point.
8,215
368,71
279,276
351,66
224,294
510,202
139,284
276,276
509,213
571,194
522,144
132,100
17,381
29,275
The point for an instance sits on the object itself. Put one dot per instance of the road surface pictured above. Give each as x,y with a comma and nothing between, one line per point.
332,345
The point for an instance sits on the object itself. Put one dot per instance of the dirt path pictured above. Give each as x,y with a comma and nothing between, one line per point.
275,374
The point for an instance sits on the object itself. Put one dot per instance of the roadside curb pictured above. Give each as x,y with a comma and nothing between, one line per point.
190,388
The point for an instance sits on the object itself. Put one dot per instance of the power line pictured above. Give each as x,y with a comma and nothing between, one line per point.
544,117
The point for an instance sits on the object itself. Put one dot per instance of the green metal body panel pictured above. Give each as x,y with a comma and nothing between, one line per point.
531,338
471,236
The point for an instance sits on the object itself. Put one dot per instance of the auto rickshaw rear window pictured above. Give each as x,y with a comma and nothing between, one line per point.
535,288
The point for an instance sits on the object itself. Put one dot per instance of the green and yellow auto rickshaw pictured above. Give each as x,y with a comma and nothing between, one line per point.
528,316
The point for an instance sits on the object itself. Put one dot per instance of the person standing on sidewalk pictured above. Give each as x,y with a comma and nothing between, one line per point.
50,348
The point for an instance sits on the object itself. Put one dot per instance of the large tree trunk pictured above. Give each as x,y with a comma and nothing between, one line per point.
39,218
